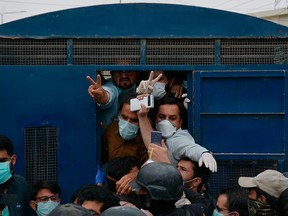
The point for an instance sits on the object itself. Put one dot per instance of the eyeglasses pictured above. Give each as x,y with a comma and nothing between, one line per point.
46,198
122,72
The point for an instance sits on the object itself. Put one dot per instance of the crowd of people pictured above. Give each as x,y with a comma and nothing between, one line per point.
136,176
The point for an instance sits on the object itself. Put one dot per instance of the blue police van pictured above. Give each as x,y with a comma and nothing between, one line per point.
235,66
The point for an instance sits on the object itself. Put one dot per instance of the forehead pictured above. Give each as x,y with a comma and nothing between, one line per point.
4,154
222,201
126,111
186,164
93,205
169,109
44,192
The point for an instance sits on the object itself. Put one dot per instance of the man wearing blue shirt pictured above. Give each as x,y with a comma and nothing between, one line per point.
107,95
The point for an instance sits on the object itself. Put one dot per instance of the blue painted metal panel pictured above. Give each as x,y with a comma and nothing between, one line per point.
242,95
241,114
142,20
52,96
243,134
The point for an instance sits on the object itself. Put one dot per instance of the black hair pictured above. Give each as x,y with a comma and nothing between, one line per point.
6,144
202,172
99,194
126,95
237,199
44,184
76,194
171,101
117,168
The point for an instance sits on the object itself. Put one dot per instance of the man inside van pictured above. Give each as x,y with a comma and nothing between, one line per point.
106,96
168,120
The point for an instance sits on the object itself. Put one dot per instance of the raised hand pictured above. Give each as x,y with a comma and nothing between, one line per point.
146,86
209,161
96,90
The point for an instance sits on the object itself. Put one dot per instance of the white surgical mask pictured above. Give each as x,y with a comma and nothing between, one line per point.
185,182
127,130
159,90
166,128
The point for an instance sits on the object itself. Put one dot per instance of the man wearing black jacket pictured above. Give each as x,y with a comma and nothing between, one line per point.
163,185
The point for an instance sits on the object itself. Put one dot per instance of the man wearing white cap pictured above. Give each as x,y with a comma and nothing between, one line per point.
264,191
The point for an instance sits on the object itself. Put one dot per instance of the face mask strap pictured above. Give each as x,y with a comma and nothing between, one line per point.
112,179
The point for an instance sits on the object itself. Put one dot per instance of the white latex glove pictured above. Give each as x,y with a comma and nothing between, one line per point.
146,86
186,100
209,161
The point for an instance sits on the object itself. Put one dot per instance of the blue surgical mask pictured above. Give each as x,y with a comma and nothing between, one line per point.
5,211
166,128
5,172
44,208
217,213
159,90
127,130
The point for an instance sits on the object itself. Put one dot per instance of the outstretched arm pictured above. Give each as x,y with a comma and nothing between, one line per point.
145,125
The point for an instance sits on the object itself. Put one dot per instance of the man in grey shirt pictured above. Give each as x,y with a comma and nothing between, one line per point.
179,143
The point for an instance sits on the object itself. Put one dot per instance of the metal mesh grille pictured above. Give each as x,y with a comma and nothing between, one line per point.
254,51
41,160
158,51
228,172
180,52
32,52
105,52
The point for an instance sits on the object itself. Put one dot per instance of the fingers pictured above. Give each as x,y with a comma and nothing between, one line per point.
151,76
140,97
163,143
184,95
200,163
178,92
157,78
98,79
144,109
92,82
123,188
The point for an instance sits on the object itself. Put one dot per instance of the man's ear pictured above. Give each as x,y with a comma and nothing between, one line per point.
235,213
13,159
33,205
262,198
197,181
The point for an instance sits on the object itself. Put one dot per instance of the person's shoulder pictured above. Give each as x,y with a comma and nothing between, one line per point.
111,129
112,126
109,83
19,179
181,133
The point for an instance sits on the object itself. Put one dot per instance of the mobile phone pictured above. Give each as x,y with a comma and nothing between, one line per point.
156,137
148,101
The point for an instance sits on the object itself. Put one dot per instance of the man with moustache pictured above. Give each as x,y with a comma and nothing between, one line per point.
106,96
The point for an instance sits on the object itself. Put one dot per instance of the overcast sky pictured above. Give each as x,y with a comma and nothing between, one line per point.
12,10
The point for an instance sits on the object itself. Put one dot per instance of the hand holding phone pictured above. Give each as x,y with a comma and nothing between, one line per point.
135,104
156,137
